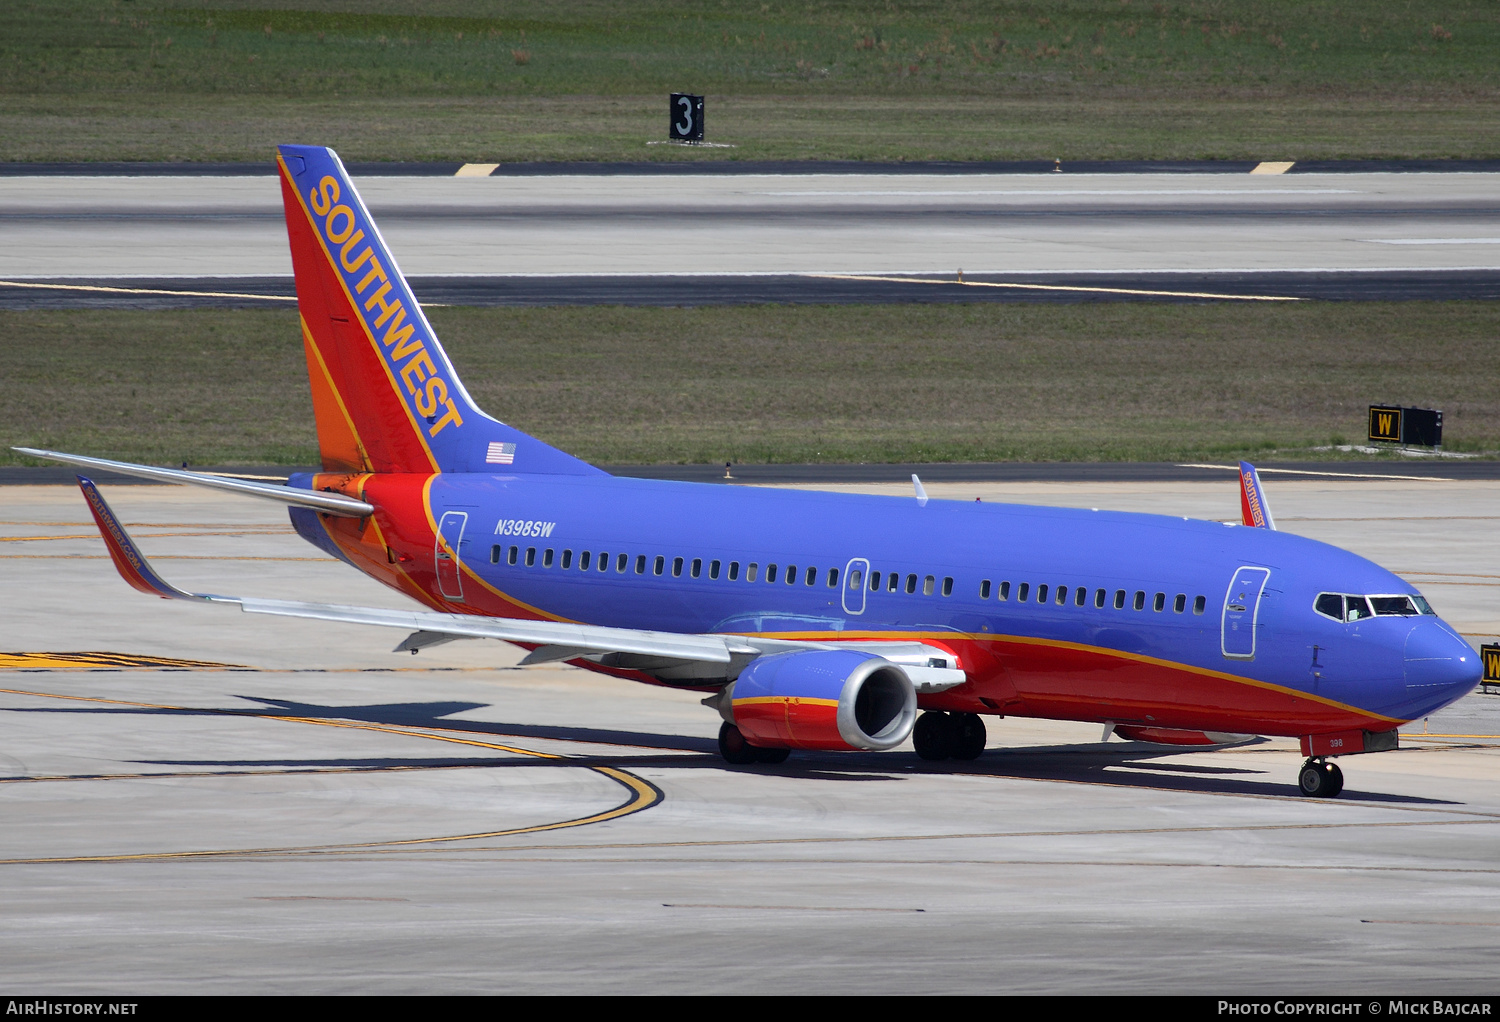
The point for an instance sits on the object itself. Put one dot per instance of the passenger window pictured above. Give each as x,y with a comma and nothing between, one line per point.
984,589
1356,609
1004,590
1159,603
1023,591
1099,595
734,571
947,585
927,585
812,578
770,573
791,574
510,556
1062,595
677,567
567,561
495,554
1081,597
622,560
1119,599
530,556
697,566
1199,604
1330,605
713,569
833,579
658,564
1180,604
640,564
911,583
857,579
547,558
1140,599
584,560
893,582
1041,593
874,582
750,571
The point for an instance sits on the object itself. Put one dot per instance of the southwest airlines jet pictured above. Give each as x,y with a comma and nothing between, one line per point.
812,620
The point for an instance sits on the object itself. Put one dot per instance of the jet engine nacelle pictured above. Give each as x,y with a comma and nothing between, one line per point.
822,699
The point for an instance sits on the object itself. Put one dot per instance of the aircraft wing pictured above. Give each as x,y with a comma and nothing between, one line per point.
930,669
328,503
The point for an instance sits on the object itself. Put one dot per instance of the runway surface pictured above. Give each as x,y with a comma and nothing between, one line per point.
690,239
284,807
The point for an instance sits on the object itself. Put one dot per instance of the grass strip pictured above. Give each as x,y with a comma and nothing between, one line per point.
879,383
587,79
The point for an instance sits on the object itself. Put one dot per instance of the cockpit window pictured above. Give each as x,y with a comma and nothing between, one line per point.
1395,606
1330,605
1345,607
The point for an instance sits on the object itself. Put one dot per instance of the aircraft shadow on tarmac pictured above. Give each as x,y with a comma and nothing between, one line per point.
1124,764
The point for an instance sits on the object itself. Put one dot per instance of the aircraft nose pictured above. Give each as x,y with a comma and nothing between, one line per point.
1440,666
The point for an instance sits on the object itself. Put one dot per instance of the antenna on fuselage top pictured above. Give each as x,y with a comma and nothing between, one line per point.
921,493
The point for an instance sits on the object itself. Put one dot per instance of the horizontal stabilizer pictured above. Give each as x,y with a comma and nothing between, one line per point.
328,503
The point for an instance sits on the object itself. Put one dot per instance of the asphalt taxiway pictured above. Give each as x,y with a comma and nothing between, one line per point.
722,237
197,800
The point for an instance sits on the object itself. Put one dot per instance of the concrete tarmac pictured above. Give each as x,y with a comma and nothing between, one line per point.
279,806
163,227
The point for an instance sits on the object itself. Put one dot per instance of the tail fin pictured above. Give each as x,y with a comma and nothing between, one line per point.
385,396
1254,510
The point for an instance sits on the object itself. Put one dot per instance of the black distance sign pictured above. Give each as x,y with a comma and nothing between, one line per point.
686,124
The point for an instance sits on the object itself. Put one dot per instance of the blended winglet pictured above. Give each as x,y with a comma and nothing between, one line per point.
1254,509
129,560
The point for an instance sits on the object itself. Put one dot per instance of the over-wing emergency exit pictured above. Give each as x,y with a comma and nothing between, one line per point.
809,620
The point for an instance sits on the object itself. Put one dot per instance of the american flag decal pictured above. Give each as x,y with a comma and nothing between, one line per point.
500,454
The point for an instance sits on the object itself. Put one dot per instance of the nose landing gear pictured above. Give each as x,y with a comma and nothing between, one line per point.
1319,778
939,736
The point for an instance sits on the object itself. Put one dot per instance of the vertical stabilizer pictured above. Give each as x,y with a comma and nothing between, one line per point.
385,396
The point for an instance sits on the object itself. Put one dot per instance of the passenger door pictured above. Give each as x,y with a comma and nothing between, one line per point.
446,554
1241,606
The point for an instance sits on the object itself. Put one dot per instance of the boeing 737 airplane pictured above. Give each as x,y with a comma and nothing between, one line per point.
812,620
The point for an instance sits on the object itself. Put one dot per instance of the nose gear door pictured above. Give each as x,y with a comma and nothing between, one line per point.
446,554
1241,606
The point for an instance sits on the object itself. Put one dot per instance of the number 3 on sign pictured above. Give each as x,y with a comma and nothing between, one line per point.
686,120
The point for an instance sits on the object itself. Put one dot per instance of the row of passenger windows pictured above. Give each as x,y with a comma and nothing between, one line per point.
621,563
1079,597
889,581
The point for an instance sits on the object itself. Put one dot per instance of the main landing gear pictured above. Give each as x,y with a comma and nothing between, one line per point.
734,748
940,735
1319,778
